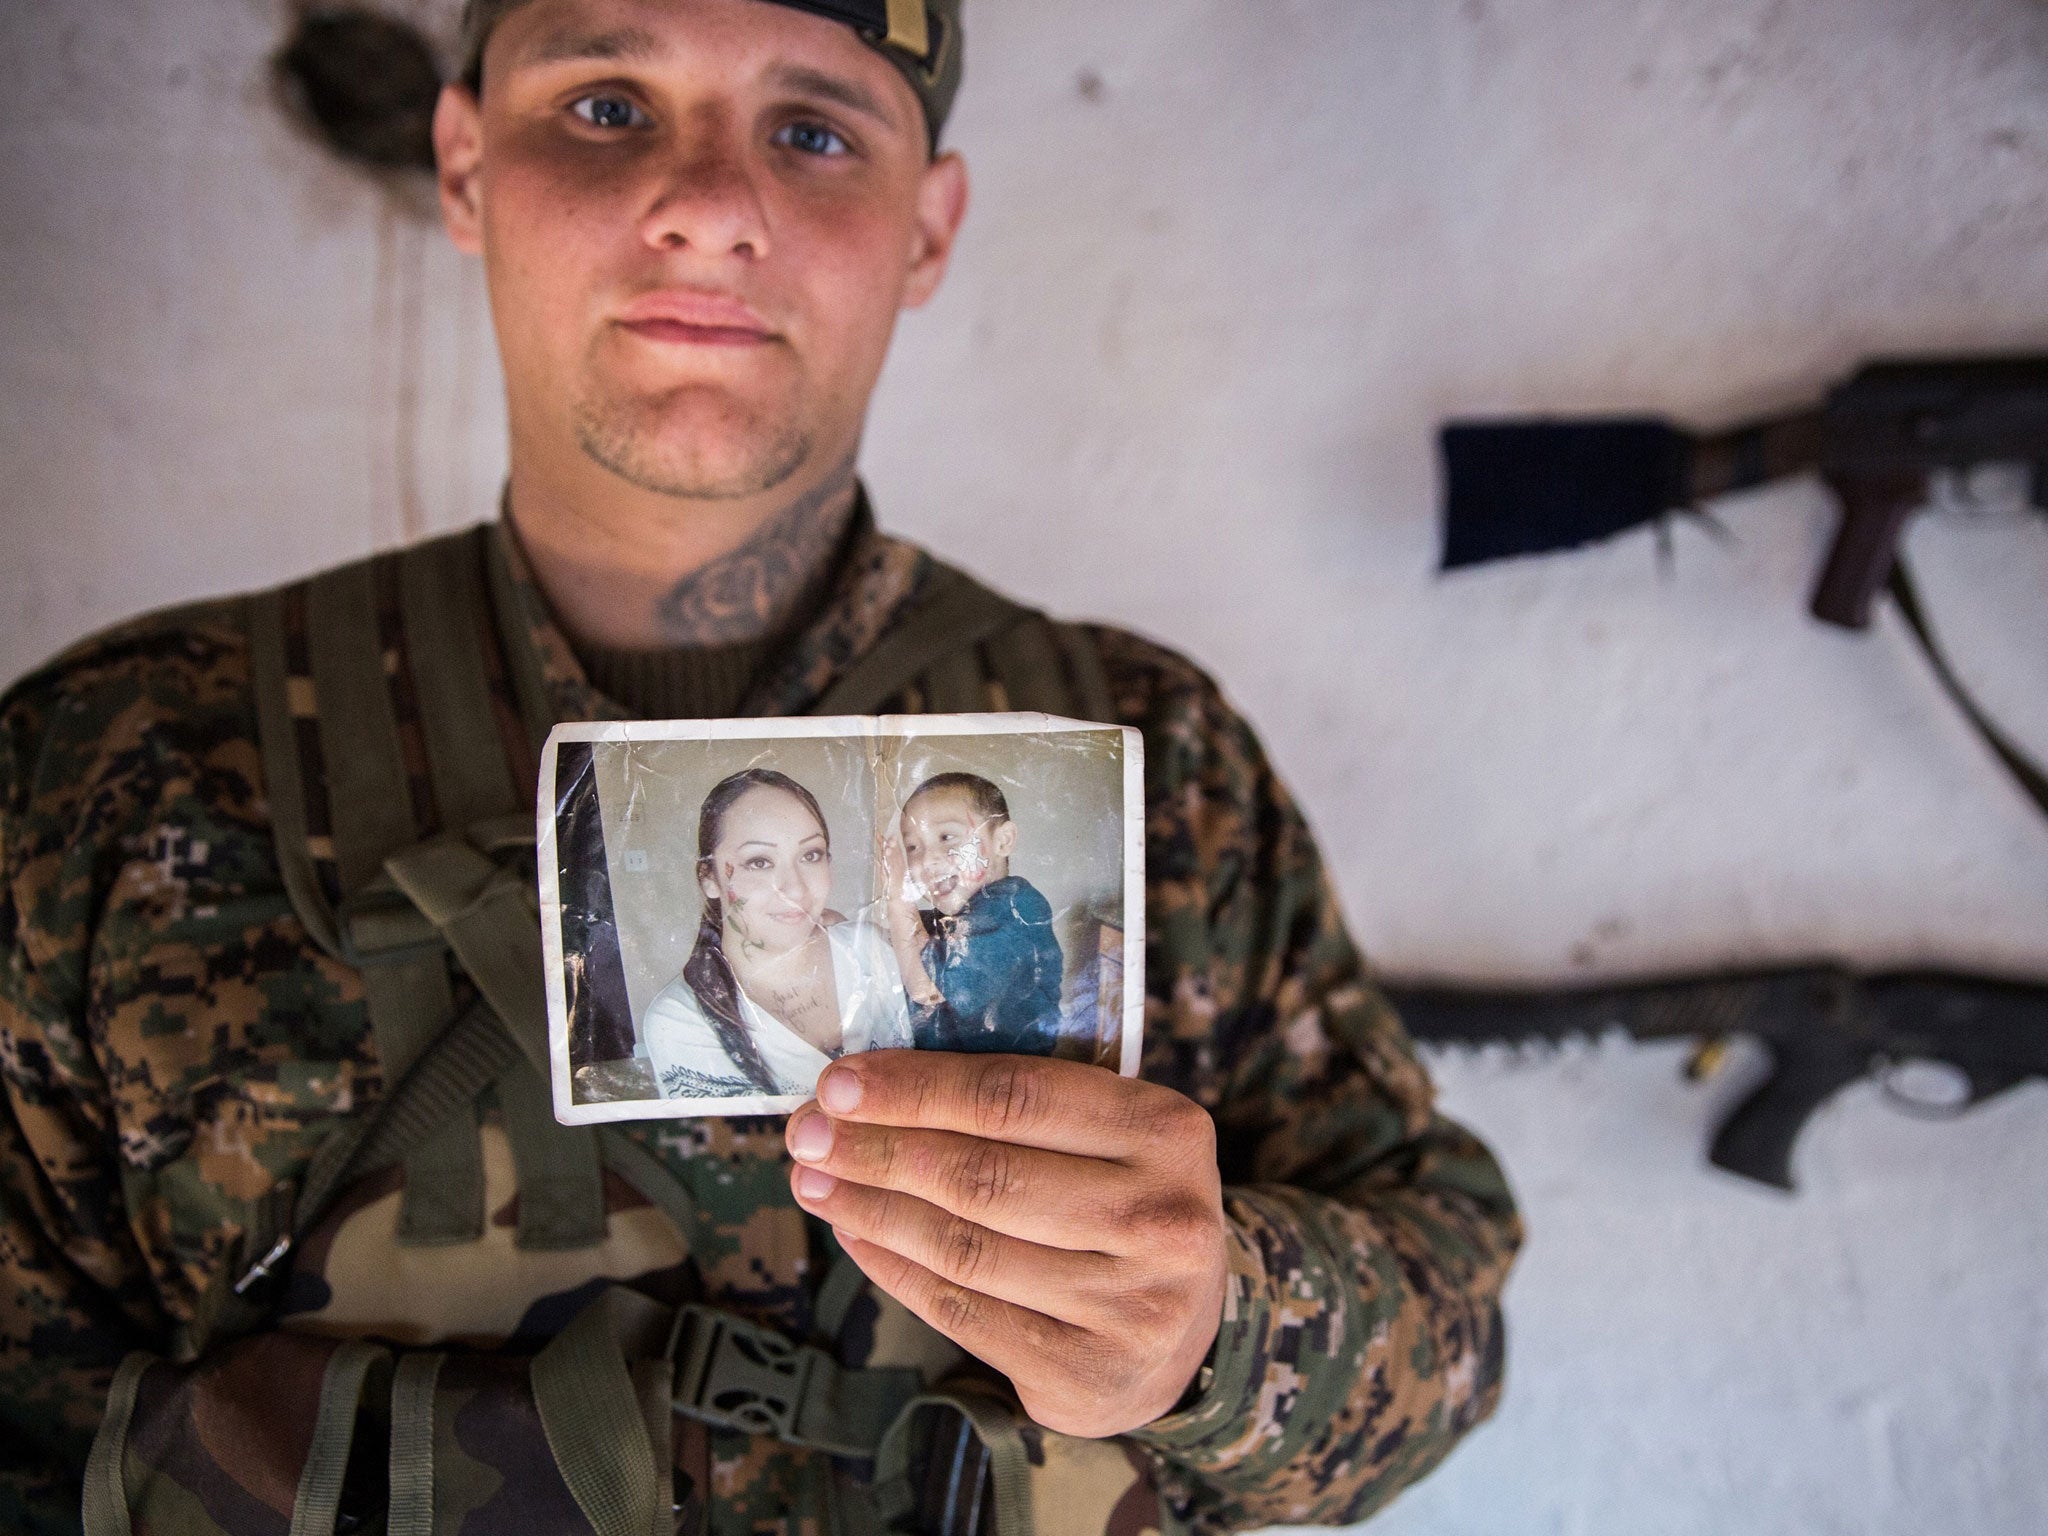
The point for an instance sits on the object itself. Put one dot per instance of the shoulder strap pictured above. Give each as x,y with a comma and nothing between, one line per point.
964,649
397,737
389,707
954,612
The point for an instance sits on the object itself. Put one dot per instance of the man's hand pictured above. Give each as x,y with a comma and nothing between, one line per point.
906,926
1061,1223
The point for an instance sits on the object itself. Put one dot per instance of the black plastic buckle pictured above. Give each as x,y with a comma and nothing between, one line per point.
738,1375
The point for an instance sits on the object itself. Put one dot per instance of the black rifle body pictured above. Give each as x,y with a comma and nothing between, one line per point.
1825,1028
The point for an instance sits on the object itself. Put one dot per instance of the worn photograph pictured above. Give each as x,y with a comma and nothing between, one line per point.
729,906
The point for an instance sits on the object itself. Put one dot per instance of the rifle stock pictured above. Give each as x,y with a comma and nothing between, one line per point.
1529,486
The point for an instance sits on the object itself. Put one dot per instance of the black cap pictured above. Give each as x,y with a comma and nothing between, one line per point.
920,37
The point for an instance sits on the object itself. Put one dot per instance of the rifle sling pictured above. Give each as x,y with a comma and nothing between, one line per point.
2026,773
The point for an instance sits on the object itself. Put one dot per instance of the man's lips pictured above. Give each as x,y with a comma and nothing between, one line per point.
684,318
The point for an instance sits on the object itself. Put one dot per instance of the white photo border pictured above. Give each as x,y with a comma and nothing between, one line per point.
802,727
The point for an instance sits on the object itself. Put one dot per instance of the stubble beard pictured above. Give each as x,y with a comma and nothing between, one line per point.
725,455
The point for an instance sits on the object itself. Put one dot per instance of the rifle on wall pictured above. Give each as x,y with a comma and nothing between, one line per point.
1530,486
1879,440
1824,1027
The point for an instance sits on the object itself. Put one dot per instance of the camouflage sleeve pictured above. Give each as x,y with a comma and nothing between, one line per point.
1370,1237
74,1292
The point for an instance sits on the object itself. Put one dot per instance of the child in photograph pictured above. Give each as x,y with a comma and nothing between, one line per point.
982,967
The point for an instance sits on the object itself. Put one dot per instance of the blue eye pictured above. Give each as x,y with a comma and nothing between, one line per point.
614,112
812,139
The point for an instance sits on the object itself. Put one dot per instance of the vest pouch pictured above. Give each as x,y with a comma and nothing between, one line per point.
276,1435
285,1434
964,1460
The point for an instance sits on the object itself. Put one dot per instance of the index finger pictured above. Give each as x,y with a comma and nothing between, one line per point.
1031,1101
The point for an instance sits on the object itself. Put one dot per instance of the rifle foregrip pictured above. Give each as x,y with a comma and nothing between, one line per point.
1757,1138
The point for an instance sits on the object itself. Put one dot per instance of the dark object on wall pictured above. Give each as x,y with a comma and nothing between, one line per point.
366,84
1825,1029
1525,487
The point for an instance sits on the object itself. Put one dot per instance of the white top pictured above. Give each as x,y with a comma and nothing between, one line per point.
690,1062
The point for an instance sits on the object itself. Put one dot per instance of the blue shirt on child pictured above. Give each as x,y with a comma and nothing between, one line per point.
998,969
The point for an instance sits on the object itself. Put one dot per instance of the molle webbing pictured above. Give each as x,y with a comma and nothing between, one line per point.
398,740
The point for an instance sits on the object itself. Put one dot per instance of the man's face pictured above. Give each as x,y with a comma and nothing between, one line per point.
951,850
699,220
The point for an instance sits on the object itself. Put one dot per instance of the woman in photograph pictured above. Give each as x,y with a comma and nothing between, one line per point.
778,985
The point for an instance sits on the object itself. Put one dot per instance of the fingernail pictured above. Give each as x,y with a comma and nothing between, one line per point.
840,1091
813,1185
812,1138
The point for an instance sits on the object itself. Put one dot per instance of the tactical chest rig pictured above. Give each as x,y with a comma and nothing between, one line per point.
401,707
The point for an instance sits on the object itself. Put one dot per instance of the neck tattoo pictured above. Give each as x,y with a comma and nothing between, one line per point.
750,592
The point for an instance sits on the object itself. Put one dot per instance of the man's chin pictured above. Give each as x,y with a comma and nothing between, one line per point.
701,445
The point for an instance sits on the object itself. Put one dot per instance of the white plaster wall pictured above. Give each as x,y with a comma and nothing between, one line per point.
1229,264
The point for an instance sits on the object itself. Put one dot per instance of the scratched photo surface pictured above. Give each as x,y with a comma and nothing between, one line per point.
729,906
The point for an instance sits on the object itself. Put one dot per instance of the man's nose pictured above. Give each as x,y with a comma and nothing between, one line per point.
708,202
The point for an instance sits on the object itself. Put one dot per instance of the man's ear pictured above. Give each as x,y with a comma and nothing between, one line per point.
1004,840
458,152
941,207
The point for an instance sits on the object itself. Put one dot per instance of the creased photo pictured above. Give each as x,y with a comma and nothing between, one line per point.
728,906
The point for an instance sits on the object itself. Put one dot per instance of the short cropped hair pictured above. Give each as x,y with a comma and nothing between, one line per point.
987,799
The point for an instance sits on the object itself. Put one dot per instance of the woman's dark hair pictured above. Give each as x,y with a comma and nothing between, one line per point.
709,973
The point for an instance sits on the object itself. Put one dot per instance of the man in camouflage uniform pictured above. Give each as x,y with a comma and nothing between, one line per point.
1268,1267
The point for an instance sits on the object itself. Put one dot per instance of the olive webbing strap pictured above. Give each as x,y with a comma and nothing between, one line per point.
317,1507
463,1060
955,684
591,1413
372,810
515,642
441,597
1094,698
1033,669
844,1282
368,792
995,1425
279,710
561,1173
411,1002
411,1476
106,1467
490,918
954,614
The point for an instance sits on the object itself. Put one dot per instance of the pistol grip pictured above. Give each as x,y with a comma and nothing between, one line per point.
1757,1138
1874,511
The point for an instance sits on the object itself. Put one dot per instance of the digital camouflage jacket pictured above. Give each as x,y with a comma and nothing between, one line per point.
173,1047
